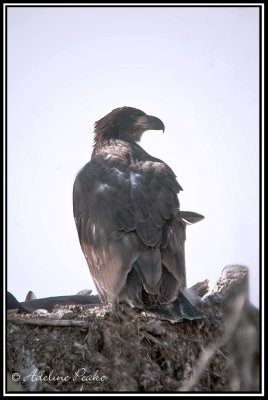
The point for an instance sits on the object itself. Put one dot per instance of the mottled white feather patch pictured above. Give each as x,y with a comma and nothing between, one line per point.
118,171
133,178
103,186
94,230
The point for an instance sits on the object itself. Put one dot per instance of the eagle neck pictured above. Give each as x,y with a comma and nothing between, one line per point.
105,142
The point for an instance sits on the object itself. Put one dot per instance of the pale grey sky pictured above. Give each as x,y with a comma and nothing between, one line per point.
194,68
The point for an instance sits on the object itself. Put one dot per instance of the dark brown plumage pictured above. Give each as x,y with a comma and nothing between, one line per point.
129,224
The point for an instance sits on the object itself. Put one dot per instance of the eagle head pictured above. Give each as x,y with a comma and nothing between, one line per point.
125,123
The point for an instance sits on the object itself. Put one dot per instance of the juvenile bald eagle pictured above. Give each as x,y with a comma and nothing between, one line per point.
128,219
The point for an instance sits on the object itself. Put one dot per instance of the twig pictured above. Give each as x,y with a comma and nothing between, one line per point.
200,288
47,322
207,353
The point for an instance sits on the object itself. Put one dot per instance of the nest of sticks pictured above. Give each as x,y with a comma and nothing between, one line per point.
92,349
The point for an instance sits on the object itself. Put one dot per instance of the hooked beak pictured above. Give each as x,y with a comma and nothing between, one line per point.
149,122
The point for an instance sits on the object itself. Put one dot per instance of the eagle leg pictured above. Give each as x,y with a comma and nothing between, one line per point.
179,309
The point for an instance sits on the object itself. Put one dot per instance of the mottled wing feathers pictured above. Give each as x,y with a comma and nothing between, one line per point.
124,201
